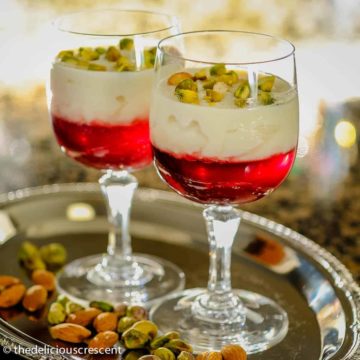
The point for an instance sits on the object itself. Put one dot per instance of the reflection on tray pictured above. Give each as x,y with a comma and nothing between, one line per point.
271,253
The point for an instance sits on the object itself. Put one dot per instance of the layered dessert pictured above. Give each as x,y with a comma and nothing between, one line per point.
219,138
100,105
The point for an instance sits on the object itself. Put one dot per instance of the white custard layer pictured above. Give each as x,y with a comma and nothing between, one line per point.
225,133
107,96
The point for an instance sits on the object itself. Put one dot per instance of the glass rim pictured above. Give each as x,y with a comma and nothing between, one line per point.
57,22
180,57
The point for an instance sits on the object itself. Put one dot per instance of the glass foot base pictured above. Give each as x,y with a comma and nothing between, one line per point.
264,325
143,281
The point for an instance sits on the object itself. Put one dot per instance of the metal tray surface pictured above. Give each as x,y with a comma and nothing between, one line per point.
317,291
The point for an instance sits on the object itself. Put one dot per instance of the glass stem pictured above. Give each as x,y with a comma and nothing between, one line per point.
219,303
118,188
222,225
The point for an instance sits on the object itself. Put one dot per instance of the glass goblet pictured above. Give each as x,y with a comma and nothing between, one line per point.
99,92
224,130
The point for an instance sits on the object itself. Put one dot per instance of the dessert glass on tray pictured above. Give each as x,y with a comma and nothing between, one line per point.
224,131
99,96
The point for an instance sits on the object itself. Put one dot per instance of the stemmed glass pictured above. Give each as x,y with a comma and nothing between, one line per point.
99,97
224,130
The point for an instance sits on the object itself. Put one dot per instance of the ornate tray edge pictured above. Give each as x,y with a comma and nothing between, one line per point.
341,275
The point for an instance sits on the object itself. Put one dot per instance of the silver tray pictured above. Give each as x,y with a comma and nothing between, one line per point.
317,291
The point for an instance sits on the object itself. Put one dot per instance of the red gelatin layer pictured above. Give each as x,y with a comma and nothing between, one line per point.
104,145
212,181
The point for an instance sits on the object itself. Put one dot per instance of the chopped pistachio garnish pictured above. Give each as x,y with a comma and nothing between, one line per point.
218,69
126,44
176,78
200,75
213,96
265,98
65,54
187,84
112,54
240,102
100,50
230,78
124,64
88,54
74,61
187,96
69,59
209,84
266,83
96,67
149,57
243,90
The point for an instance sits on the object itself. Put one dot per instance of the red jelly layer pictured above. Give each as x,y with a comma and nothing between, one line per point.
103,145
212,181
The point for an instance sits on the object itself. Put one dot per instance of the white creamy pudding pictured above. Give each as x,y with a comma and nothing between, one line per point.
108,96
223,130
102,84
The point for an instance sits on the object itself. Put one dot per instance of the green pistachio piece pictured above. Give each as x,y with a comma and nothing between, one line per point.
149,357
187,96
112,54
230,78
162,340
100,50
55,254
28,250
126,322
164,354
213,96
70,60
72,307
56,314
88,54
265,98
136,311
96,67
102,305
187,84
147,327
243,90
200,75
149,57
240,103
62,299
266,83
124,64
178,345
184,355
209,84
178,77
134,339
126,44
134,354
29,256
65,53
218,69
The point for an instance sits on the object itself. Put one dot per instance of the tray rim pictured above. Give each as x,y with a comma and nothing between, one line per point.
342,277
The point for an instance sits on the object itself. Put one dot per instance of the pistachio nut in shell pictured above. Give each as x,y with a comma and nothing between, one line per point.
185,355
125,323
134,339
147,327
56,314
164,353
